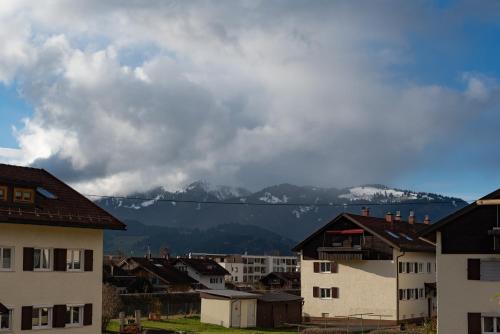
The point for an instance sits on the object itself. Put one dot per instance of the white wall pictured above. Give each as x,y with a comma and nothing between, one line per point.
216,312
457,295
205,279
19,288
236,270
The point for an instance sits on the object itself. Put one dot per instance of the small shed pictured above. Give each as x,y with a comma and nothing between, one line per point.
276,309
229,308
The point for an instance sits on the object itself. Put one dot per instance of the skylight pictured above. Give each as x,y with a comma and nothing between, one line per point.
45,193
406,237
394,235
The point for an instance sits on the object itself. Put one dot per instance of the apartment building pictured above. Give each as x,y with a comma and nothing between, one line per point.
250,269
51,251
468,268
362,265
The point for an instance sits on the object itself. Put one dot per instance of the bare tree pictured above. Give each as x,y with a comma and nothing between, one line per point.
111,304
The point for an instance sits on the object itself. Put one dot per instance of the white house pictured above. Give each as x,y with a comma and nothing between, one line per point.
207,272
51,251
357,264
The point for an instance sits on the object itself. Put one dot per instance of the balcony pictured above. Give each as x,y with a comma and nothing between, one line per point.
355,252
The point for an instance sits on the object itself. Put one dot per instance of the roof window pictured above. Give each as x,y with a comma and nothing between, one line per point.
394,235
3,193
24,195
406,237
45,193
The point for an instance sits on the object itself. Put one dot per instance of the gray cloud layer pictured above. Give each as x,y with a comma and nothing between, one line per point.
129,95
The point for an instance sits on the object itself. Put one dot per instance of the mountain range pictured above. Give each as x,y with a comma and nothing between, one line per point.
194,220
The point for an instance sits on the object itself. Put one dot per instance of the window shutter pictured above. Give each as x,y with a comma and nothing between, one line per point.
316,292
316,267
28,259
335,292
89,260
416,267
474,269
334,267
60,259
408,267
59,316
416,293
401,292
87,315
474,323
26,315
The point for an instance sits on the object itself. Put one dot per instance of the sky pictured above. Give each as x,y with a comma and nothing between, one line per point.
122,96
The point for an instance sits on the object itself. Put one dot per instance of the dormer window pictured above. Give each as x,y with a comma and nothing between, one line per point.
22,195
3,193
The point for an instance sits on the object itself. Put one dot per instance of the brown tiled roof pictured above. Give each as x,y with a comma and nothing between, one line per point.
285,276
404,236
204,266
163,269
70,208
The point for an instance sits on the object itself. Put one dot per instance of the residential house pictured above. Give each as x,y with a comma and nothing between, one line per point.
205,271
51,250
156,275
249,269
468,268
281,281
378,267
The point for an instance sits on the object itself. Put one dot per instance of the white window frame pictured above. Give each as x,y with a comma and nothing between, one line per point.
51,256
12,257
429,268
325,267
496,320
11,319
70,265
421,293
49,317
420,267
403,297
325,293
80,315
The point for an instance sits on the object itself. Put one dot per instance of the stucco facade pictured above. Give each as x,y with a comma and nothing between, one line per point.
20,288
229,311
458,295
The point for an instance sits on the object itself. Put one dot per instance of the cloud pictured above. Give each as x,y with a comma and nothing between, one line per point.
129,96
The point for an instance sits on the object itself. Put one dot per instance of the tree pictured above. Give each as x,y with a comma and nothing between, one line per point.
111,304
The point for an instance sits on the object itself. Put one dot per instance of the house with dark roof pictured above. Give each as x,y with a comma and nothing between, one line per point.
156,275
206,272
281,281
468,267
363,265
51,251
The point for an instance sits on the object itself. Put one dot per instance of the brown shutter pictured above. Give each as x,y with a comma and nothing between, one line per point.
89,260
87,315
26,317
59,316
316,292
316,267
335,292
28,258
474,323
474,269
416,293
60,259
401,292
334,267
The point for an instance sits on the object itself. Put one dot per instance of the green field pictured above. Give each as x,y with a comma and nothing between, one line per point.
193,325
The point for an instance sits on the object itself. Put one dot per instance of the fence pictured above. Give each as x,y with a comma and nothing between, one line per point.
181,303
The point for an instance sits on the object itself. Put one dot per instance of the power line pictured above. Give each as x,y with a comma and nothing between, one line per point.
342,205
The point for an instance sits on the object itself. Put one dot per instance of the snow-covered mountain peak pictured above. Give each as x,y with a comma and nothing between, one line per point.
371,192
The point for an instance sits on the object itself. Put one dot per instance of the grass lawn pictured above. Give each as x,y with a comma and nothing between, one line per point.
193,325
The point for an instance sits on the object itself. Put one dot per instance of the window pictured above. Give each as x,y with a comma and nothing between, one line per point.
420,267
42,317
490,270
401,267
409,267
41,259
3,193
402,294
429,267
74,315
74,260
491,325
325,267
24,195
421,293
325,293
6,321
410,294
6,258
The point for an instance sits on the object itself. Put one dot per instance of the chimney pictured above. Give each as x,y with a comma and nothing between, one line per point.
427,220
411,218
388,217
365,212
398,216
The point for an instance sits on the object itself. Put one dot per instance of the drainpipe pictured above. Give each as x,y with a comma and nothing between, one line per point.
397,285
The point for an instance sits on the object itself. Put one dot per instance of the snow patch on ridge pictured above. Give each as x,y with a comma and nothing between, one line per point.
369,193
270,198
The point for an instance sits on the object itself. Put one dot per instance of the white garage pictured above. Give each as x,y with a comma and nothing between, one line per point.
228,308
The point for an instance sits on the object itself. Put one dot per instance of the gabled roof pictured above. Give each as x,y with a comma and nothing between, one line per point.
285,276
469,208
408,234
163,269
203,266
69,208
